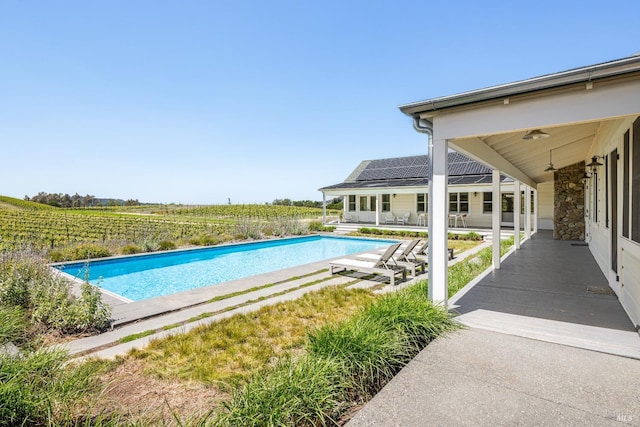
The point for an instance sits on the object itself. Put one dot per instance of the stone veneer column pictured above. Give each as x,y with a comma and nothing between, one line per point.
568,203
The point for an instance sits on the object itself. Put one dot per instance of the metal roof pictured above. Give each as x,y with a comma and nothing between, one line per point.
413,171
589,73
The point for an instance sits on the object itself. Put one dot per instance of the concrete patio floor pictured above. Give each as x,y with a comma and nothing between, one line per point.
537,349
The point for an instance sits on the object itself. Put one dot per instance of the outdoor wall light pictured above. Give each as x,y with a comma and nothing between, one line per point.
550,167
585,178
594,162
536,134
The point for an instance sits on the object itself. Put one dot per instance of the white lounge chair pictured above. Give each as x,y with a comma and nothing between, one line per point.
383,265
404,258
422,250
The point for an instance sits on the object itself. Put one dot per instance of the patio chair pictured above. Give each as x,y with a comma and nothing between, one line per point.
348,217
405,258
422,250
404,219
389,218
408,259
383,265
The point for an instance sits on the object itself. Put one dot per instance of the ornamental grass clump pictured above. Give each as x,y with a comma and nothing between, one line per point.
307,391
37,385
345,363
368,351
382,338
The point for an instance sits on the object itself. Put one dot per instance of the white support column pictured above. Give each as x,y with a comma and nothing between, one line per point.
517,208
496,210
527,212
535,211
324,209
438,222
377,209
345,206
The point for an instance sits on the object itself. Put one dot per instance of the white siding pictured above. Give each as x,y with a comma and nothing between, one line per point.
626,283
403,203
545,205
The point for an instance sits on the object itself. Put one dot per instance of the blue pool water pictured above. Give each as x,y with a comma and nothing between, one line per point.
148,276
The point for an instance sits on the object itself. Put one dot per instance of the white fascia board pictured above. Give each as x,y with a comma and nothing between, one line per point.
377,190
582,105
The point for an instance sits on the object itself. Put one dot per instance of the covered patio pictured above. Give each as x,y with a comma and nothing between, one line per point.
579,130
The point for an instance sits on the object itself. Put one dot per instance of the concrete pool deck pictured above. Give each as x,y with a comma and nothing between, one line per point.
151,317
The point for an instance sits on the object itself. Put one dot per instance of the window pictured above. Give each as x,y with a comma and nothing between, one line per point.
522,204
635,182
352,203
372,204
487,202
422,203
625,186
386,203
594,209
363,203
606,191
458,202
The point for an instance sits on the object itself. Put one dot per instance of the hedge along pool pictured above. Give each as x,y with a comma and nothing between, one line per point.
146,276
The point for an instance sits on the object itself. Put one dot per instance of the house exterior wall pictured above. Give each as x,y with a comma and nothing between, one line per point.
407,202
402,203
623,269
545,206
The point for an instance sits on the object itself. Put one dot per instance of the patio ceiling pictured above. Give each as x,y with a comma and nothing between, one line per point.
568,144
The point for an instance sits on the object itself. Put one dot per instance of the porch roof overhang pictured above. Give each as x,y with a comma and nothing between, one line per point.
405,186
411,186
571,106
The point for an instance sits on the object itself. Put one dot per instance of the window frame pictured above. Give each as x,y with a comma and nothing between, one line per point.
424,203
351,203
487,209
455,200
385,203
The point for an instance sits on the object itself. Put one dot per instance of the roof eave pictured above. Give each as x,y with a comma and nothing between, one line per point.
578,75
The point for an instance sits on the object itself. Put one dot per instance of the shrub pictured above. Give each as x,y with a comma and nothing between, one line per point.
47,297
248,229
79,252
131,249
472,235
166,245
57,309
205,240
384,232
149,245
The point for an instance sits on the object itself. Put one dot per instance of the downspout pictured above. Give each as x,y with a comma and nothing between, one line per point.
426,126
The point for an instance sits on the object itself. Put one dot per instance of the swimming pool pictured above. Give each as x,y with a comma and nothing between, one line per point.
146,276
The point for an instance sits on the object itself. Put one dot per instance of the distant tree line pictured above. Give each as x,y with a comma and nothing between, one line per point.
335,203
77,201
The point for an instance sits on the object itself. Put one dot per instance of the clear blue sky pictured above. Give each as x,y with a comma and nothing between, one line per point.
200,101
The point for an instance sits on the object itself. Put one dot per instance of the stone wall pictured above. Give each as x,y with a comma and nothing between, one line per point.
568,203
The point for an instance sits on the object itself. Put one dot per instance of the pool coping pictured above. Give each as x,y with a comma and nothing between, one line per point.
124,312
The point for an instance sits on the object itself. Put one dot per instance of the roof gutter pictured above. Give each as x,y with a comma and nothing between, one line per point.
578,75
